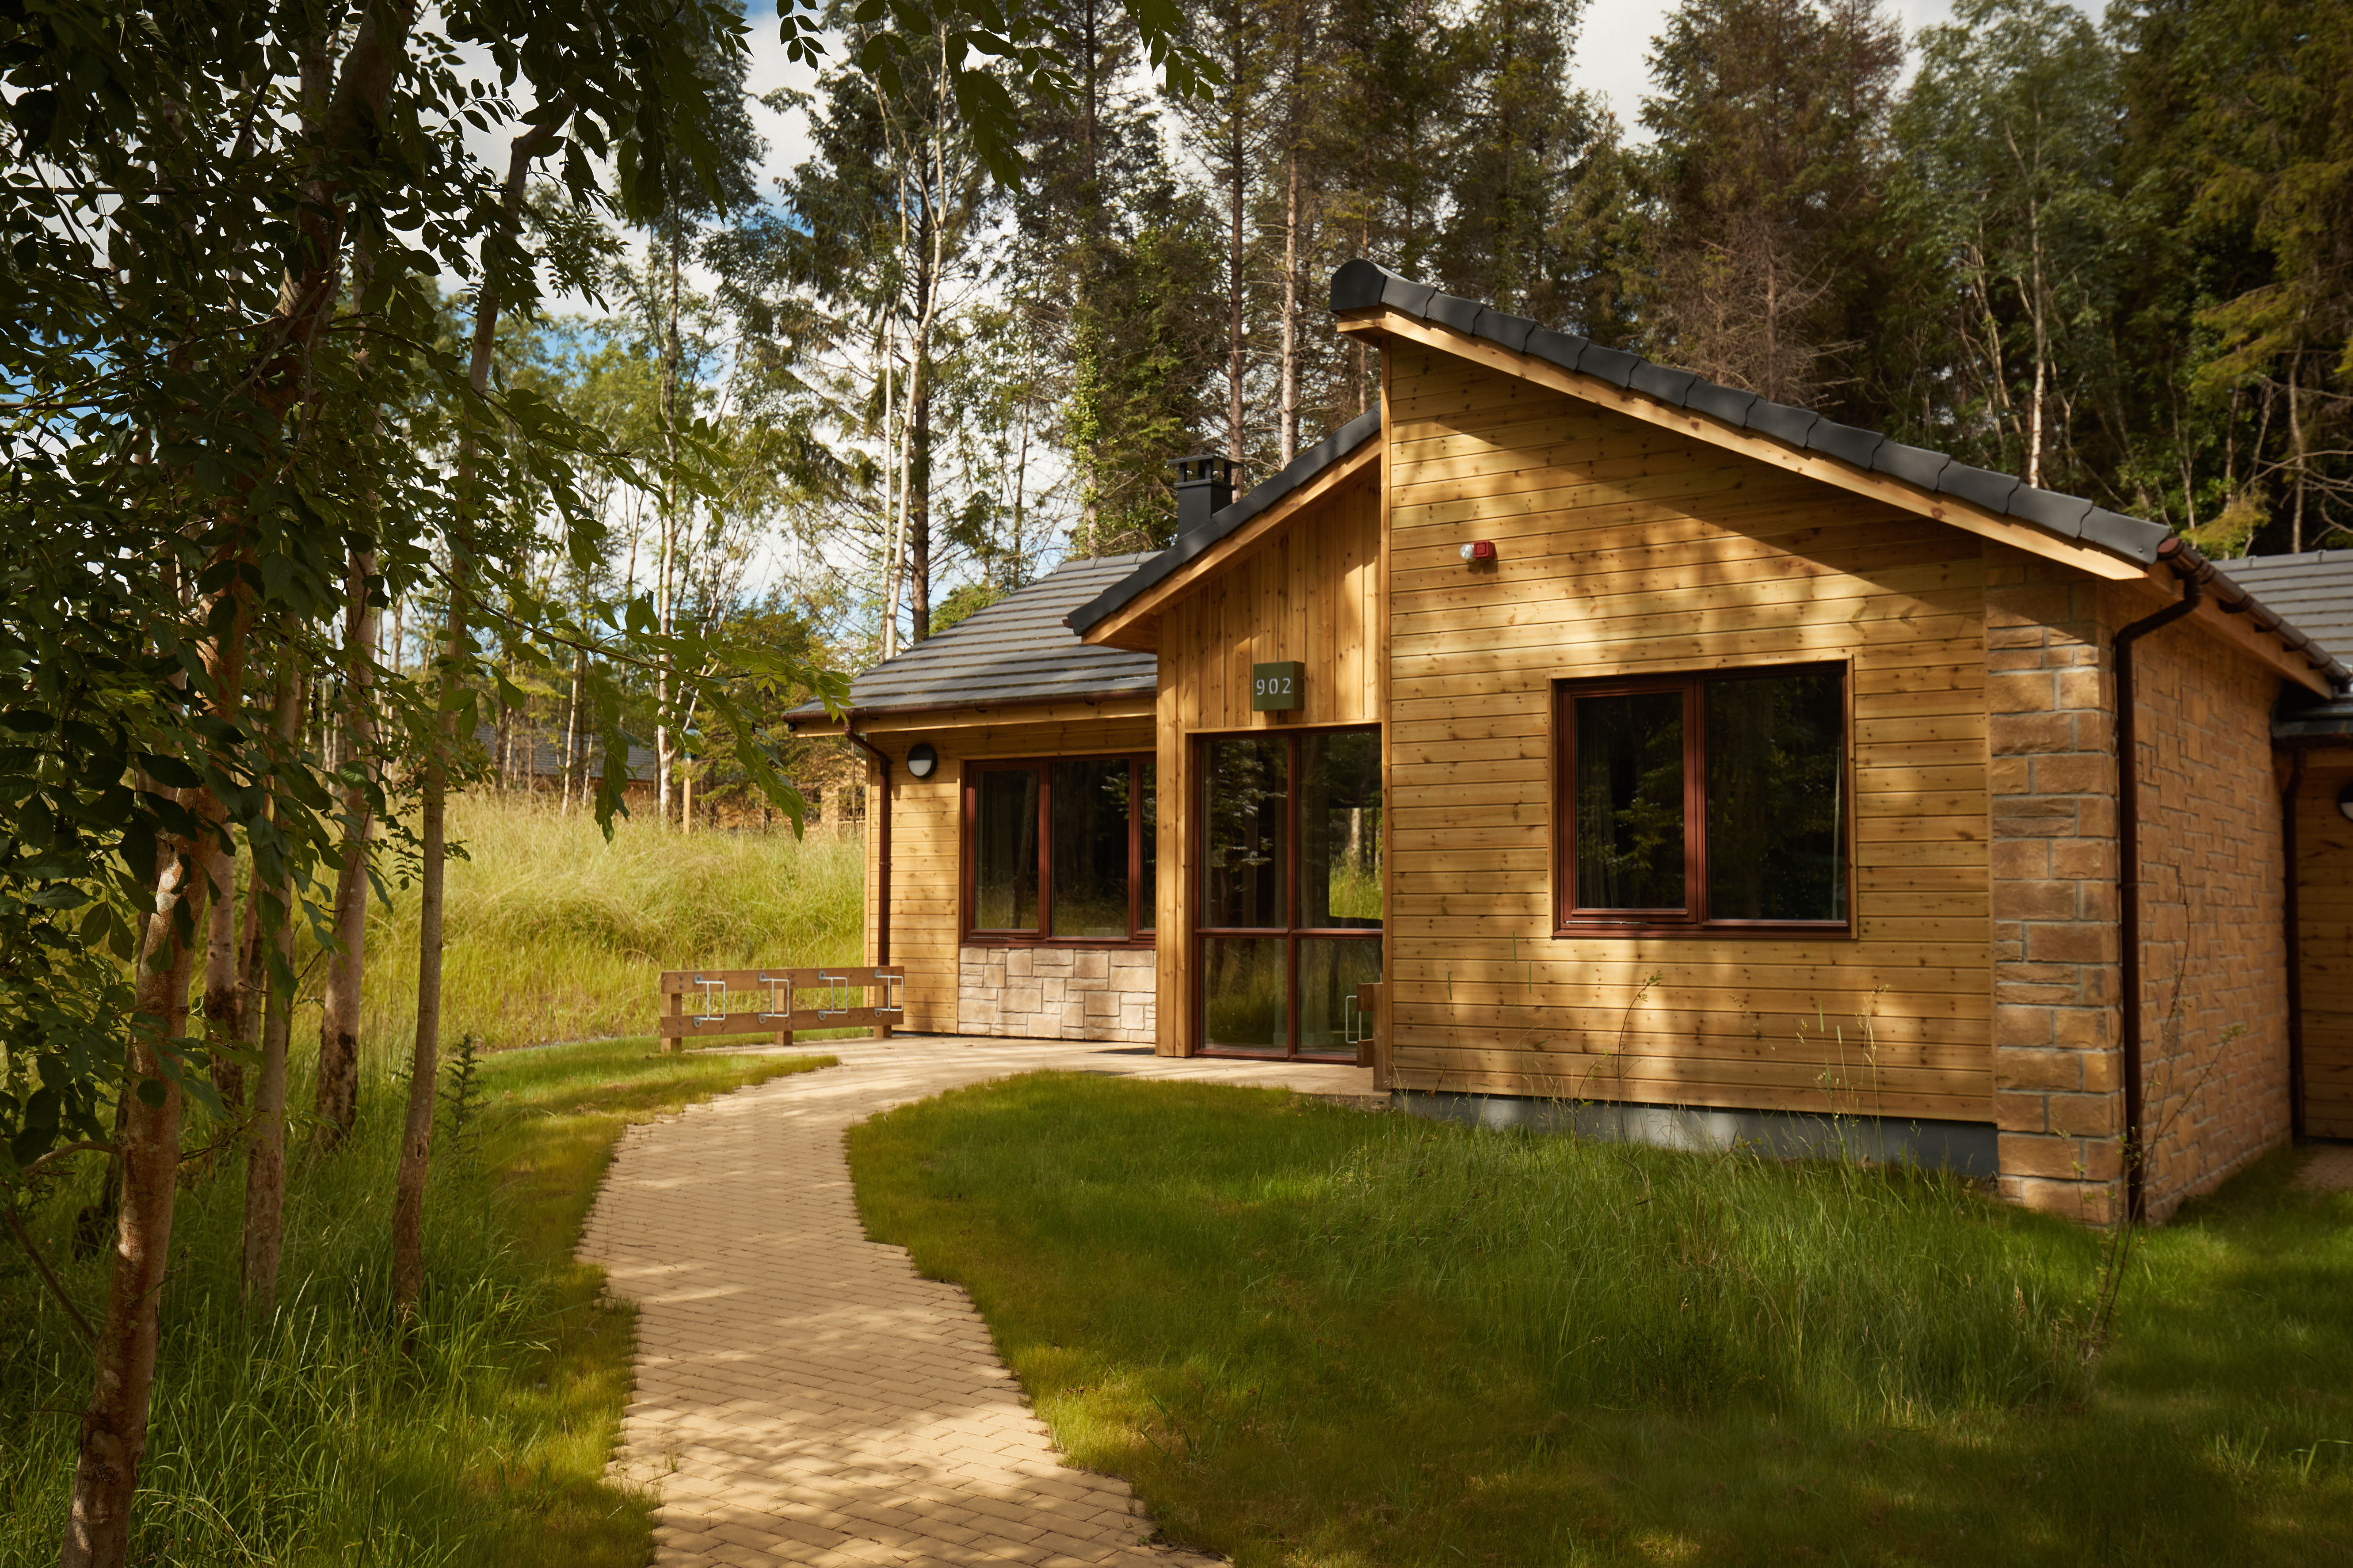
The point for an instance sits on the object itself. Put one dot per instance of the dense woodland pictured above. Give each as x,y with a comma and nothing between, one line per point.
320,507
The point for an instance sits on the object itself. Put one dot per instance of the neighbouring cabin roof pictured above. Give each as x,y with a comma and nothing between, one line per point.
1016,650
1362,285
544,752
1225,522
2314,589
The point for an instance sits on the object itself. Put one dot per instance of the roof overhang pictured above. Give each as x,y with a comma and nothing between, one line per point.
1135,625
981,713
2224,617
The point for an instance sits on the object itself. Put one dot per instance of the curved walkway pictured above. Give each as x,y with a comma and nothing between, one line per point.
803,1397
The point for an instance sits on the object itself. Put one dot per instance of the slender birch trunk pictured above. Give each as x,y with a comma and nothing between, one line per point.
265,1150
336,1099
1291,309
223,1026
114,1424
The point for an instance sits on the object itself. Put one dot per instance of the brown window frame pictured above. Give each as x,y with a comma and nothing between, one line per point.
1141,933
1692,919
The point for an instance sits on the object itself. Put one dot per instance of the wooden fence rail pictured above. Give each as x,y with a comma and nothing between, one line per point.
702,1003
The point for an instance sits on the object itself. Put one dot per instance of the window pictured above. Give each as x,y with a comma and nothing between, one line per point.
1060,850
1715,801
1290,920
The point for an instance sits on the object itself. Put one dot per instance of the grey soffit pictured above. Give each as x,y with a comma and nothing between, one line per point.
1222,524
1361,285
1016,650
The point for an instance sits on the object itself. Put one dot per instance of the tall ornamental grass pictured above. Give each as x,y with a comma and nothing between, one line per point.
552,933
1685,1282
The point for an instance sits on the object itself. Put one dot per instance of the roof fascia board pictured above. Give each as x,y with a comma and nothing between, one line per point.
1388,319
990,711
2235,629
1129,618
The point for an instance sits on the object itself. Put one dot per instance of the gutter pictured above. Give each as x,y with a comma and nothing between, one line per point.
2128,855
882,858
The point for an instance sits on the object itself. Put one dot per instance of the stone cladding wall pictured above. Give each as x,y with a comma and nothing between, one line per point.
2052,784
2213,941
1057,993
2213,954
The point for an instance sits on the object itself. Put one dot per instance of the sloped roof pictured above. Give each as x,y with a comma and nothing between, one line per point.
1222,524
1363,285
546,753
1016,650
2314,590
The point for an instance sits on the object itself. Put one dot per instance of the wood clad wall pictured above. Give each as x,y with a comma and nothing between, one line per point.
2324,891
1625,548
1310,593
926,855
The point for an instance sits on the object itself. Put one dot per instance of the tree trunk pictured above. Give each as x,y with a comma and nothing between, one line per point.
919,508
220,978
265,1150
1291,308
336,1102
114,1424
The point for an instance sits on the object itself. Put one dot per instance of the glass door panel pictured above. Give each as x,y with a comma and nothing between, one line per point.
1330,970
1245,983
1245,849
1290,837
1340,831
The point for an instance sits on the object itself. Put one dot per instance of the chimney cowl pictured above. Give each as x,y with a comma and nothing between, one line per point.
1205,486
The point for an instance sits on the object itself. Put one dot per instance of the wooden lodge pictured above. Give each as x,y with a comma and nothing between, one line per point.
1678,762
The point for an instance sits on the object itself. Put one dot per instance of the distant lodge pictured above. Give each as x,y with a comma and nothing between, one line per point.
1754,777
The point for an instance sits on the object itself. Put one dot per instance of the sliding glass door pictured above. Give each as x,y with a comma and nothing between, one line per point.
1290,917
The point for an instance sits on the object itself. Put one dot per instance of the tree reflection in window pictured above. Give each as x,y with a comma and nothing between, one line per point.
1629,802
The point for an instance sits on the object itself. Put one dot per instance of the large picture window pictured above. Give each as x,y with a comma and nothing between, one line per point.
1715,800
1060,849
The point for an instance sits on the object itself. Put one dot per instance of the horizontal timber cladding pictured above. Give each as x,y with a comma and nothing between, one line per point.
926,847
1309,593
1625,549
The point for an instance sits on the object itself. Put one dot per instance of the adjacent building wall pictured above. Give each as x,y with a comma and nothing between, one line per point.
1310,593
2213,932
2324,858
1626,547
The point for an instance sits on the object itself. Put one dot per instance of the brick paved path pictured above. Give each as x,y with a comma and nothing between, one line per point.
2329,1170
802,1395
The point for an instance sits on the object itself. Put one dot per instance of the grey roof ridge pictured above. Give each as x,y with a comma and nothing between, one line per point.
1360,284
1227,520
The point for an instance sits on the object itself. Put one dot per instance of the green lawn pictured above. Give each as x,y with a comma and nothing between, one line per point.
1311,1335
315,1440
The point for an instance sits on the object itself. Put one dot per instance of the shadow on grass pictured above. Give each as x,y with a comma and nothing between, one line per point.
1313,1336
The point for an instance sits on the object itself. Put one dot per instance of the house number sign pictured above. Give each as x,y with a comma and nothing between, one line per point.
1274,688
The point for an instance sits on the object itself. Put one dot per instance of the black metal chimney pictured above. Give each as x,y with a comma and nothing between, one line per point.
1205,486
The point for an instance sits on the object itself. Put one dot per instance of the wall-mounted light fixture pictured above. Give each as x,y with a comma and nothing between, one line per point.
923,761
2345,801
1479,550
